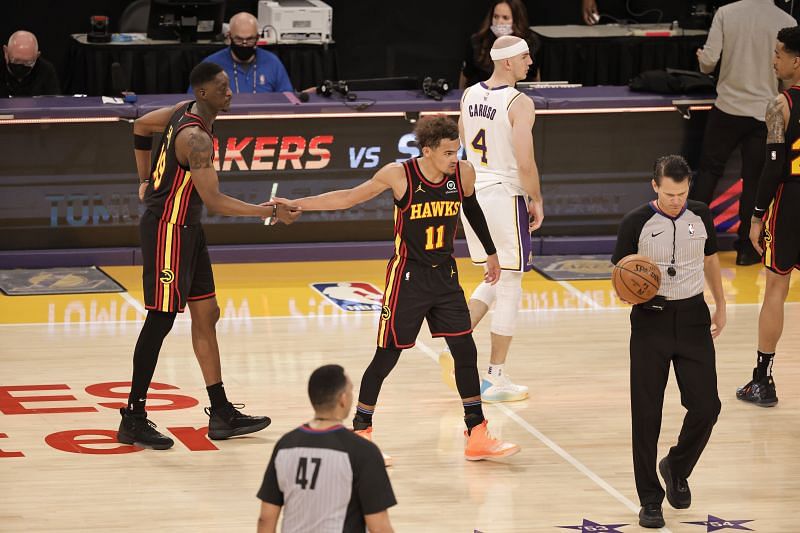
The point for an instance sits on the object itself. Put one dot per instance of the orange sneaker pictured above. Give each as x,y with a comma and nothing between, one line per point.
367,434
481,445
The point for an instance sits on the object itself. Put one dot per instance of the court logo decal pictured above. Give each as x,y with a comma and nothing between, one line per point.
714,523
351,295
167,276
588,526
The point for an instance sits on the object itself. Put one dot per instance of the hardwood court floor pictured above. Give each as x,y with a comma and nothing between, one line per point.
571,349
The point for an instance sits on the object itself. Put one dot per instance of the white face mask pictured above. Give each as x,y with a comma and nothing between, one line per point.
500,30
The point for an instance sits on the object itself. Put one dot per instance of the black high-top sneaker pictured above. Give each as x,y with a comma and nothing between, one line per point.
228,421
759,392
136,429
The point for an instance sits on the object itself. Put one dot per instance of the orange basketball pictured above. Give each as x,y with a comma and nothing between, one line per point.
636,278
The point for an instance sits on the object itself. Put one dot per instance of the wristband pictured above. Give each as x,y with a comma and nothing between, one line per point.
142,142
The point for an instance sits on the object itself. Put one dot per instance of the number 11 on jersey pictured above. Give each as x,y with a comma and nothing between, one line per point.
430,244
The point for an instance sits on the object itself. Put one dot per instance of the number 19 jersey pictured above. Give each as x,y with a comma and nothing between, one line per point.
487,134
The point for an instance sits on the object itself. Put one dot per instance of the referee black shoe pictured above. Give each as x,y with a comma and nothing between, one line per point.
678,494
760,392
136,429
651,516
226,422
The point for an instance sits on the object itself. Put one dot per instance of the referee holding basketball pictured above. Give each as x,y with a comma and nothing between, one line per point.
674,326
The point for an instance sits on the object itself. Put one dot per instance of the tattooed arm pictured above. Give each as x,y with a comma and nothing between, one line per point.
774,166
194,149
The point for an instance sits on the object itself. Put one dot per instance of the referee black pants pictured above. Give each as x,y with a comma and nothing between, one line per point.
724,132
679,334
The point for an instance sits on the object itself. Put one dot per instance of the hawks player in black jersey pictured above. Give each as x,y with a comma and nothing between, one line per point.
422,277
176,264
776,217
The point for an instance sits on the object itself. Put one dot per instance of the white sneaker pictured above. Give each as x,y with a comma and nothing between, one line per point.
501,389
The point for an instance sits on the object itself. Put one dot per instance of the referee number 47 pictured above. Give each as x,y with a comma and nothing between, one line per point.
302,472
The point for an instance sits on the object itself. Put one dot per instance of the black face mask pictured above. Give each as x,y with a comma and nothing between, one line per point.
19,71
243,53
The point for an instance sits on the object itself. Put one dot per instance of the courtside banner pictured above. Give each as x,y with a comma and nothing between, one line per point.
74,185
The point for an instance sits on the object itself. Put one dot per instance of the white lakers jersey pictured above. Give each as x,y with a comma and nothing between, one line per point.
487,134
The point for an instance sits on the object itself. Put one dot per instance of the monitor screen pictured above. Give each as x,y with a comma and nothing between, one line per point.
185,20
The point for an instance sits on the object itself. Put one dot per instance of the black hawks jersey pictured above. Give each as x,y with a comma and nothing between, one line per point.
171,195
792,172
426,217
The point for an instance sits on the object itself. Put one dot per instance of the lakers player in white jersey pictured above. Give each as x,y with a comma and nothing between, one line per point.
496,129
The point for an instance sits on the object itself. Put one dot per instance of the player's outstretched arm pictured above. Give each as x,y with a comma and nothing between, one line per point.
522,116
391,176
193,146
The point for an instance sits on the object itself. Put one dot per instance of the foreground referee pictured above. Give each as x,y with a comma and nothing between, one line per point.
675,326
326,478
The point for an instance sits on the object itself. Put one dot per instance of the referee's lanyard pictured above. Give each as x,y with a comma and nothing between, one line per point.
236,75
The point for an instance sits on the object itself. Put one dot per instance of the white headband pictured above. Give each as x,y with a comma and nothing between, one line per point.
517,48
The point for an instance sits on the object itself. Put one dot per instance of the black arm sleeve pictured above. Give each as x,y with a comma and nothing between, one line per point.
474,214
774,165
270,492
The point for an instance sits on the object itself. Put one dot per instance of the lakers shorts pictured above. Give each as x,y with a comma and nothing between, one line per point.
507,217
782,230
176,267
414,292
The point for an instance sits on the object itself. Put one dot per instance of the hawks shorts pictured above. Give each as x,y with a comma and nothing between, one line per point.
176,267
507,217
782,230
414,292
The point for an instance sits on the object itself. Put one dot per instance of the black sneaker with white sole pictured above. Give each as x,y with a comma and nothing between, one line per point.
228,421
136,429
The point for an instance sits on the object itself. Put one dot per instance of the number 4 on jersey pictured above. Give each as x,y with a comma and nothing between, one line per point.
479,145
302,473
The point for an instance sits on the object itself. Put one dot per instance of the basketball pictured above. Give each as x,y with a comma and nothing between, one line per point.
636,278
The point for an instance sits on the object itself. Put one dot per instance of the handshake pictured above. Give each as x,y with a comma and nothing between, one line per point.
283,210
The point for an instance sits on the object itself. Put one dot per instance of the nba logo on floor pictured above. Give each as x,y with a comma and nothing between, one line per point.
351,296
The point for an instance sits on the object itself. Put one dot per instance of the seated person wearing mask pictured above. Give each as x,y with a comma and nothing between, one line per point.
25,72
505,17
250,69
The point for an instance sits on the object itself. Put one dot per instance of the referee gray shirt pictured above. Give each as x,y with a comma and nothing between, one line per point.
744,34
326,481
681,242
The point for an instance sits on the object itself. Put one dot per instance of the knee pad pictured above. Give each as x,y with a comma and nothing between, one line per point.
506,307
484,293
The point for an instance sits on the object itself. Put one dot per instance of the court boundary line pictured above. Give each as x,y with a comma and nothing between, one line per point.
135,303
558,450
